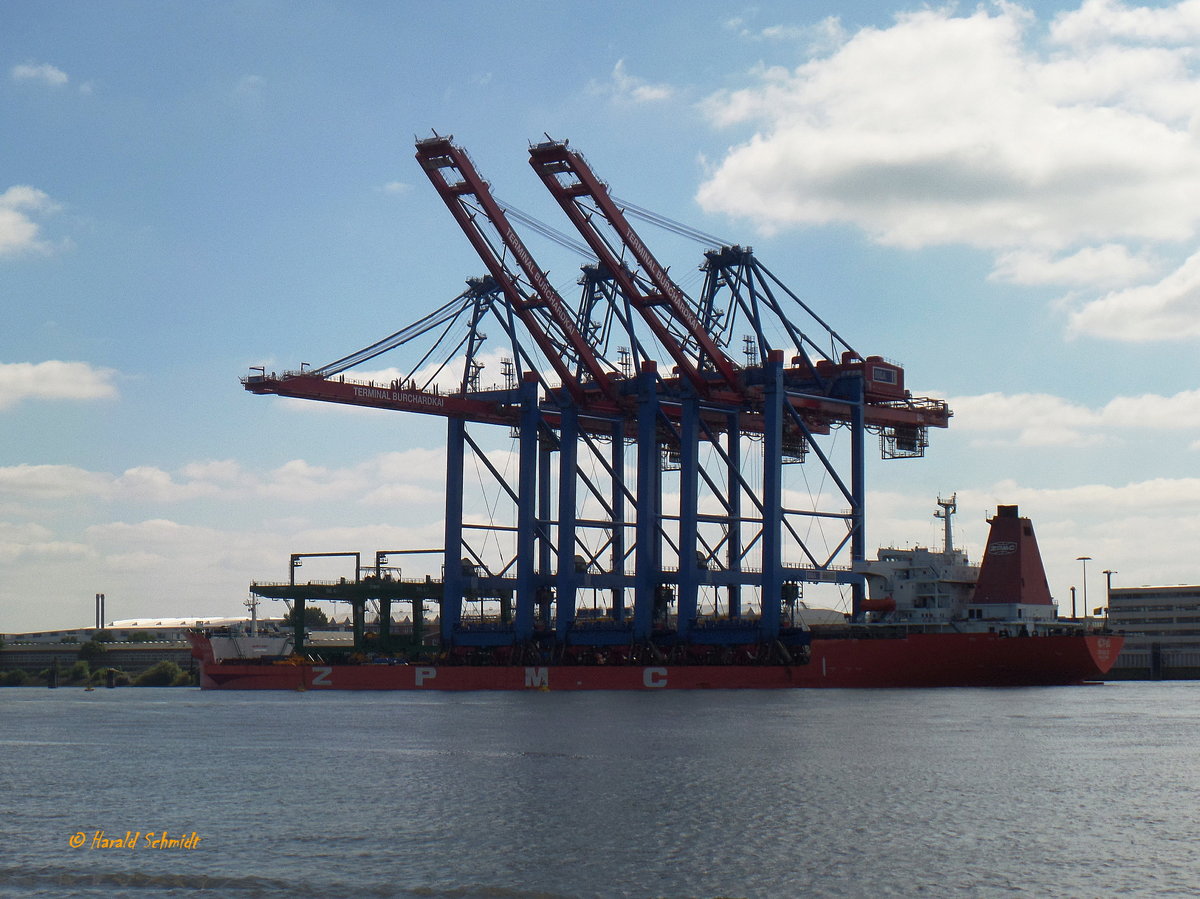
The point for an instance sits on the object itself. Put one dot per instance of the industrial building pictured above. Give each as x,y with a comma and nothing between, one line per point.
1162,631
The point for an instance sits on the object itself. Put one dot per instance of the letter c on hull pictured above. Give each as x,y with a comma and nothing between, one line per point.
654,677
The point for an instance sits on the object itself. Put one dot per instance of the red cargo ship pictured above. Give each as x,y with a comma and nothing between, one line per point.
935,621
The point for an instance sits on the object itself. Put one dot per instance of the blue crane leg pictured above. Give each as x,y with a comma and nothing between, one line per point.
452,575
647,570
772,548
568,579
858,490
618,517
689,484
527,497
734,500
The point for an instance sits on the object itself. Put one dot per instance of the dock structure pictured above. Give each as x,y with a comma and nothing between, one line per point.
645,513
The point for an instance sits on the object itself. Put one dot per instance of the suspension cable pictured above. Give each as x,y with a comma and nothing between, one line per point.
440,316
669,224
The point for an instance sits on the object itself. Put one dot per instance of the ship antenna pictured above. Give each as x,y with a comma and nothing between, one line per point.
949,507
252,605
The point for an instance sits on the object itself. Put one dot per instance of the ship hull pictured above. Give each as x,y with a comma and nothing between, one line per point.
916,660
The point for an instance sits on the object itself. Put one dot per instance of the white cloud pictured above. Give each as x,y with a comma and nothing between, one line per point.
19,233
54,380
83,526
1102,20
413,476
1107,265
34,542
1069,152
821,37
226,472
51,483
399,188
145,484
948,129
1178,412
1036,419
45,73
626,88
1167,310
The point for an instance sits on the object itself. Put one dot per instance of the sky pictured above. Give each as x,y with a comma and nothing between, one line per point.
1003,197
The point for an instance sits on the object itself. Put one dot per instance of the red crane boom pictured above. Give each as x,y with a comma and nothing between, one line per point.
571,181
457,182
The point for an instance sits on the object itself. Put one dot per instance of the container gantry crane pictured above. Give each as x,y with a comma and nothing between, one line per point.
582,507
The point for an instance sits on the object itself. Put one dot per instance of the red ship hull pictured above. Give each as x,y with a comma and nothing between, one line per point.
917,660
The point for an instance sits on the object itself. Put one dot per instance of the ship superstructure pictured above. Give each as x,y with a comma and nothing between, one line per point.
1007,591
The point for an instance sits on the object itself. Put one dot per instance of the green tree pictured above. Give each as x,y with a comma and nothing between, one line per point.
91,650
103,636
164,674
80,671
16,678
313,617
120,678
141,637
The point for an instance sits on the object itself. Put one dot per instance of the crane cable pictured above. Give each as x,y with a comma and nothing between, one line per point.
671,225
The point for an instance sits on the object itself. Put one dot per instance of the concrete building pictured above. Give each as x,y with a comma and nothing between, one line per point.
1162,631
132,645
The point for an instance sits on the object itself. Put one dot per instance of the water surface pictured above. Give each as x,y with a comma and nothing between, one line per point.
1071,792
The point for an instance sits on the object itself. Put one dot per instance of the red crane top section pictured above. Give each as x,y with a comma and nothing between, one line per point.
439,156
569,178
1012,570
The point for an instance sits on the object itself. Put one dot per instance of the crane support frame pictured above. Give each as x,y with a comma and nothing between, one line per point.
632,485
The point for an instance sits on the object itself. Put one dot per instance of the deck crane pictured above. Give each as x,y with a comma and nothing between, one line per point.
529,292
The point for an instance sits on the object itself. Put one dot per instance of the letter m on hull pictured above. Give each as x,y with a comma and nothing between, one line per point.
537,677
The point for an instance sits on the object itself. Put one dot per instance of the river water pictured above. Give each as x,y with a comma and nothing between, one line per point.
1066,791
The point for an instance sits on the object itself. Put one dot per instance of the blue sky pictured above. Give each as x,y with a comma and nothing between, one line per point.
1004,198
